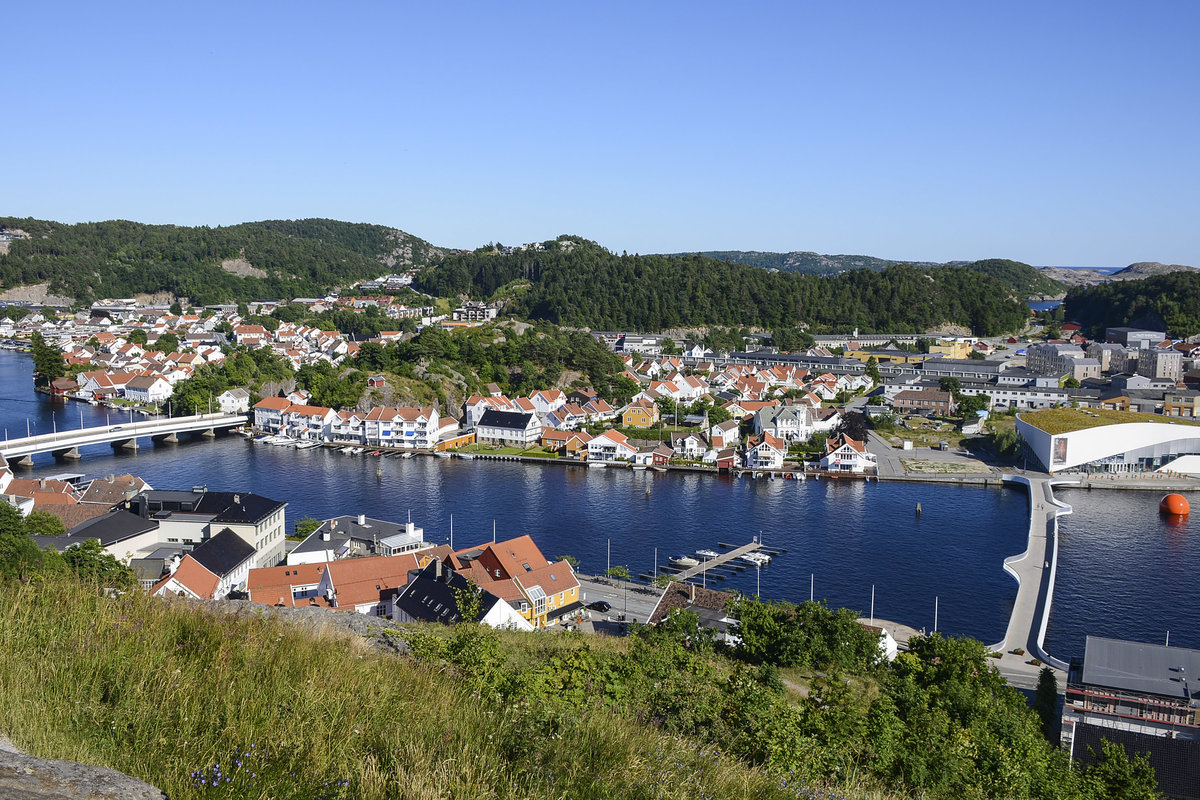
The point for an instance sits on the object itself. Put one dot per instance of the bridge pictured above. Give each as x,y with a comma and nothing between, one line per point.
66,444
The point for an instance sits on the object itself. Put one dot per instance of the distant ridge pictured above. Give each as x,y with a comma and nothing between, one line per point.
1023,279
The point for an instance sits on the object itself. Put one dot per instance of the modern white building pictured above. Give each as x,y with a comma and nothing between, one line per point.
1079,440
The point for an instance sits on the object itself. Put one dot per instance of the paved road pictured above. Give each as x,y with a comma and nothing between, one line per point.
640,600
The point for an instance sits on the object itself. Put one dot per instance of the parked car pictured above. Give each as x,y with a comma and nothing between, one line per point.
600,605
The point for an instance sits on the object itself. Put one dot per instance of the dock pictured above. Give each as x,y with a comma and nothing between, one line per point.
719,561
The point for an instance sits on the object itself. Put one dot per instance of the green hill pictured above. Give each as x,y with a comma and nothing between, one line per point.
254,260
578,283
178,693
1170,299
1023,279
808,262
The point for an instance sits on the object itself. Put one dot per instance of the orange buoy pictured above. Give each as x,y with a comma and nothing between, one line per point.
1174,504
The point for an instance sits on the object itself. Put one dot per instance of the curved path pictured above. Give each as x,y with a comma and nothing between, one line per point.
1034,571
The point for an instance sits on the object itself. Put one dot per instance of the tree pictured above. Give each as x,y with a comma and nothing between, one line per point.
967,406
572,560
176,309
19,555
304,527
43,523
1045,700
1116,776
951,385
137,336
619,572
873,370
48,361
92,562
167,343
1071,383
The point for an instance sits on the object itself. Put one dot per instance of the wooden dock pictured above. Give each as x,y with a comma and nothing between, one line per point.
721,560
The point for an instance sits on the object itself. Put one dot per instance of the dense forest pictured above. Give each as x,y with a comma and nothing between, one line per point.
283,258
807,262
1171,300
1023,279
575,282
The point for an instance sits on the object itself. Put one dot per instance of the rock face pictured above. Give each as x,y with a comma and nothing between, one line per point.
26,778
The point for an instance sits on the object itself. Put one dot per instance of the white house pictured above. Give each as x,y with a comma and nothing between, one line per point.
209,572
234,401
790,423
401,426
843,454
148,389
268,413
309,422
766,453
508,428
611,446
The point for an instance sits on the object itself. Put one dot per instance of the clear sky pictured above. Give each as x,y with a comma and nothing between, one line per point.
1052,133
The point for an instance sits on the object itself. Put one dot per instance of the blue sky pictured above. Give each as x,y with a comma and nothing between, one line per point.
1051,133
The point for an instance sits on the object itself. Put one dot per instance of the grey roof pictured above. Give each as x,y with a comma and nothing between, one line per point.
504,419
432,599
1142,668
223,553
113,527
346,528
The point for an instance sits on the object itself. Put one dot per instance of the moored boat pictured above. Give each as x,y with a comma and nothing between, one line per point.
707,554
683,562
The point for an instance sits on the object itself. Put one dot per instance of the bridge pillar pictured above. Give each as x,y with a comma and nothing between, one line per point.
170,438
70,455
130,444
209,434
27,461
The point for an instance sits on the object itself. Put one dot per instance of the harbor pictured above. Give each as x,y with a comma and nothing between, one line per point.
841,537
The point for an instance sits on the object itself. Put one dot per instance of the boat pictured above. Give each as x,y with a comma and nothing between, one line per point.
596,464
406,455
639,467
755,558
307,445
467,456
374,452
442,454
706,554
683,562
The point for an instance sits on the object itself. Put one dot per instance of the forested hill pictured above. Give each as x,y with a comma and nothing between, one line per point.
276,258
808,262
1023,279
1173,298
575,282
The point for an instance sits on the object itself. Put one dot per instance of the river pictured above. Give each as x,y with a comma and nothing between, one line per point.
841,538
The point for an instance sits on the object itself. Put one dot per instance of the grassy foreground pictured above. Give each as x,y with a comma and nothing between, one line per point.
209,705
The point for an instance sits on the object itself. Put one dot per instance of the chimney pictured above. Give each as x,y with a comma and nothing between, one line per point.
437,568
693,598
41,483
362,519
237,498
325,536
333,523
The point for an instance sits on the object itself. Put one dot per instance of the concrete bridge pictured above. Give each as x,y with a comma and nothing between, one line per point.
66,444
1034,570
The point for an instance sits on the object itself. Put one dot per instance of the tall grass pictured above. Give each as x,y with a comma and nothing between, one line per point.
210,705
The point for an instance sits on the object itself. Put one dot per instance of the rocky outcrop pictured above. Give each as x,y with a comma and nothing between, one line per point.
24,777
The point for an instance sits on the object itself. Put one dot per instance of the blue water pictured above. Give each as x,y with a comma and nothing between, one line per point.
1043,305
1121,571
1124,571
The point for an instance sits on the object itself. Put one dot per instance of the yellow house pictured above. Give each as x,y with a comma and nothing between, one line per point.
642,414
886,356
516,571
949,348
